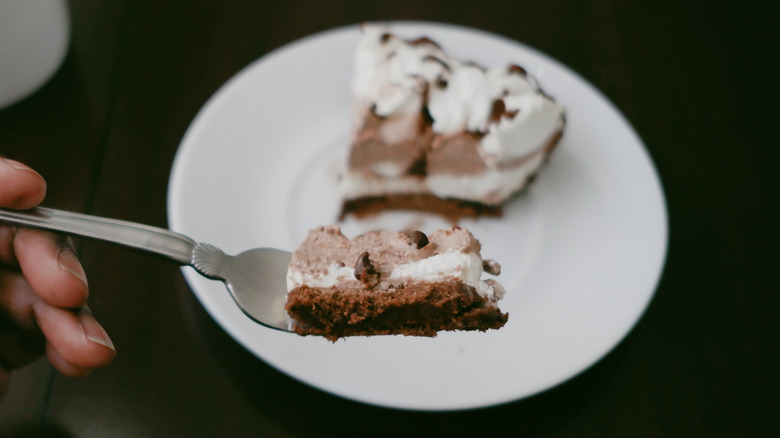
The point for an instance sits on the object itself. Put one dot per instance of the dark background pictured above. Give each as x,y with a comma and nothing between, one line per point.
693,79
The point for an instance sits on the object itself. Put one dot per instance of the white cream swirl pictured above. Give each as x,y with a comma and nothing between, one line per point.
466,267
394,75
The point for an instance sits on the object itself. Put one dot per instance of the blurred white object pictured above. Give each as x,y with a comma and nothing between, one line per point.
34,36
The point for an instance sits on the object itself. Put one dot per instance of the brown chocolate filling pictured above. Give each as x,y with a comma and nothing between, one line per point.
452,209
417,309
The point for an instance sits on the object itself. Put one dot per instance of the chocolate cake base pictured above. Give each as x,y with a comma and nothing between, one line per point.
452,209
412,309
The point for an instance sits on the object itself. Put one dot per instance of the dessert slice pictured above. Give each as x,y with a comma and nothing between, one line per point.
435,134
383,283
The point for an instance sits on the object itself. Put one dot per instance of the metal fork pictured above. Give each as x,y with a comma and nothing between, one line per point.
256,279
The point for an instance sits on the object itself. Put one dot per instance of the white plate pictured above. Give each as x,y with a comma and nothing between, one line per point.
581,252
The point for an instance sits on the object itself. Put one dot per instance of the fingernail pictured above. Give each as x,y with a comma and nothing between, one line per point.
94,331
68,262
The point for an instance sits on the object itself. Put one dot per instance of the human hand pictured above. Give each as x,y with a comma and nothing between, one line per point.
43,291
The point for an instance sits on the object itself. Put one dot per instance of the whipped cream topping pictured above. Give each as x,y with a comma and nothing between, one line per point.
401,77
327,259
392,73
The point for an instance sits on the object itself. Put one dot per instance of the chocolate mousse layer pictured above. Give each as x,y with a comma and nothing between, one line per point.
377,152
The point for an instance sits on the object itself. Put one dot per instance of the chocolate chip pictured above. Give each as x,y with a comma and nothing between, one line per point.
423,40
514,68
491,267
365,271
418,238
498,110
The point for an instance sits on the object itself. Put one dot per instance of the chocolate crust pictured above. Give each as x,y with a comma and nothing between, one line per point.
417,309
452,209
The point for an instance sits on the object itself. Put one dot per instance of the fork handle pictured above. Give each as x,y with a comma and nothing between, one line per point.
169,244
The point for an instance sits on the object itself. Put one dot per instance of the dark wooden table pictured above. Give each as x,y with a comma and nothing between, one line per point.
703,361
